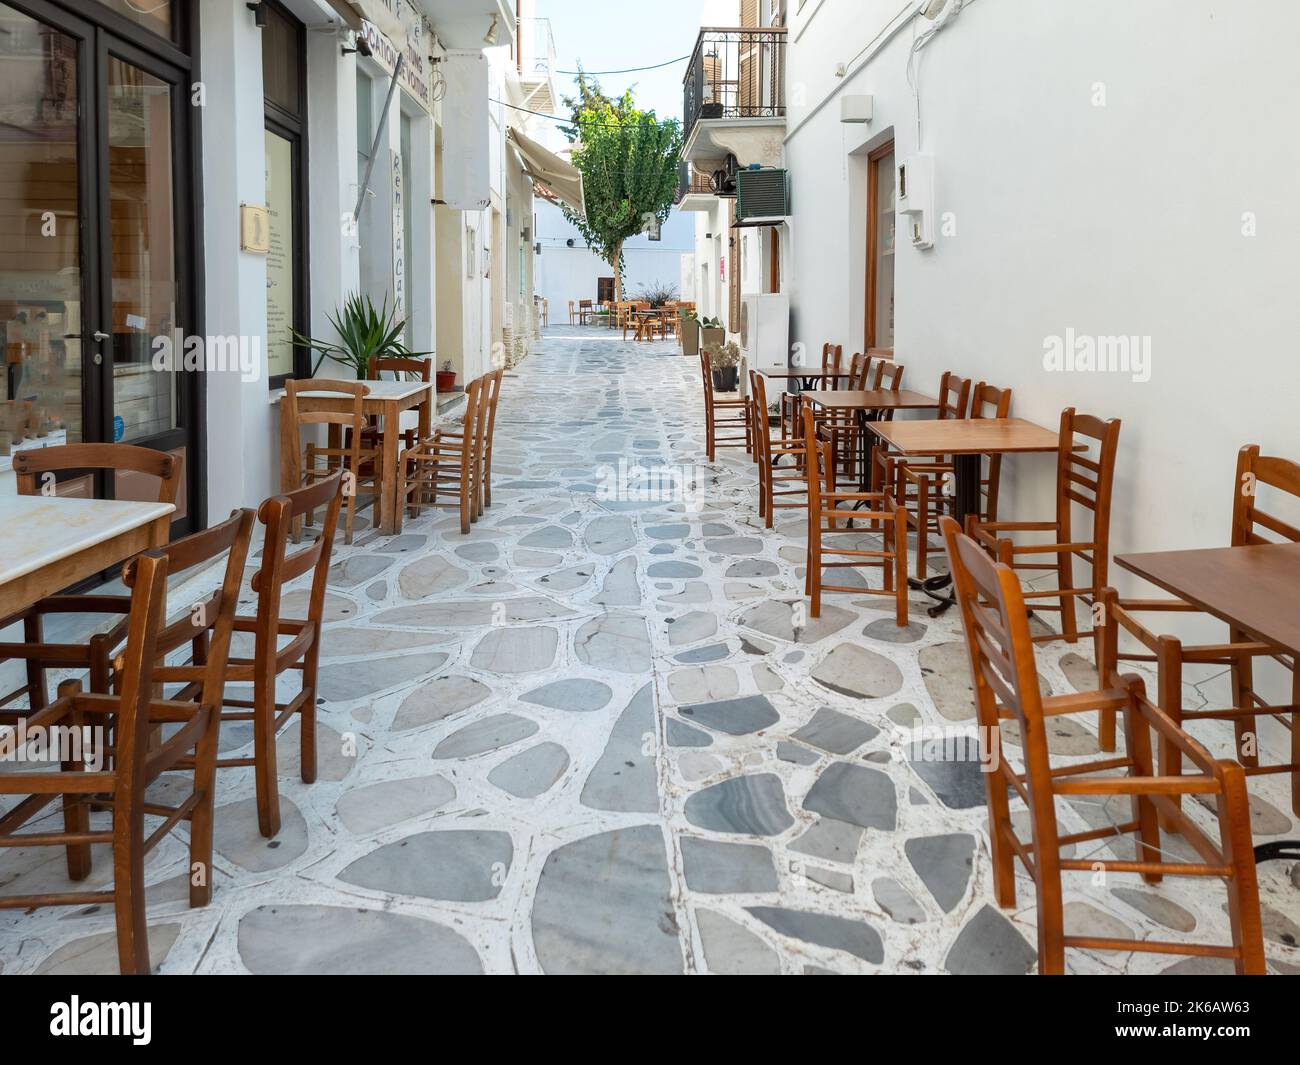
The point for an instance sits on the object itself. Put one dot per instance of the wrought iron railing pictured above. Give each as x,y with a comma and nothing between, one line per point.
735,73
690,183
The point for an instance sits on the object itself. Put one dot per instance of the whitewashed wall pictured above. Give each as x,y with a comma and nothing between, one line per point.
1122,219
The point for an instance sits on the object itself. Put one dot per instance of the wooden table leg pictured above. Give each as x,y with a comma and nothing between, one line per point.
390,514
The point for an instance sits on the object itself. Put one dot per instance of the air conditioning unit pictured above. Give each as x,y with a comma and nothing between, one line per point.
723,182
765,331
763,193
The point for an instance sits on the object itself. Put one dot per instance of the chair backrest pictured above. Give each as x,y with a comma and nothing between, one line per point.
888,375
988,401
584,304
473,399
1087,481
1001,652
280,565
485,383
36,469
146,576
859,369
325,386
421,368
758,390
954,392
210,620
1254,469
496,377
832,363
707,377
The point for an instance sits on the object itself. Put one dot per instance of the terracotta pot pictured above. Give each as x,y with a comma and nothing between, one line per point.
445,380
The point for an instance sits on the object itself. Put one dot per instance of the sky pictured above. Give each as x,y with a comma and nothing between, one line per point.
616,34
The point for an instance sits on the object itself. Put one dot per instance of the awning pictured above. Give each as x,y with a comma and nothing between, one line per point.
562,178
754,223
379,15
348,13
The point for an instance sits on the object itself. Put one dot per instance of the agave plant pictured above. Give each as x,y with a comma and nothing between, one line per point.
365,332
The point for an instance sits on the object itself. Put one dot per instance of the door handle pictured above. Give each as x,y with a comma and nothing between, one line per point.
101,336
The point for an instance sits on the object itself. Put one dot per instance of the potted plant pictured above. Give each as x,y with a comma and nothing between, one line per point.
365,332
445,378
711,332
724,361
690,331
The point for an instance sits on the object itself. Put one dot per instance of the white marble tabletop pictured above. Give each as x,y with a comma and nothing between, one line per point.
378,390
37,531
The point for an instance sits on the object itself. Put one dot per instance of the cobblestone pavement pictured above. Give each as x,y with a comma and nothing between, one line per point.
598,735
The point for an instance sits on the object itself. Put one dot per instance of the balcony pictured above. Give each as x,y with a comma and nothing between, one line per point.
733,97
536,65
695,191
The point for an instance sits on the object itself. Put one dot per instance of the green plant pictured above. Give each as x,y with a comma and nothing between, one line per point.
710,323
365,332
628,159
721,356
657,293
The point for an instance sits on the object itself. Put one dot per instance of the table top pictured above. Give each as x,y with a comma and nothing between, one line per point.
965,436
872,399
37,531
1254,588
793,372
379,390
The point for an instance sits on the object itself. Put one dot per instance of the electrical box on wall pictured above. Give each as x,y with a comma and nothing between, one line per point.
914,194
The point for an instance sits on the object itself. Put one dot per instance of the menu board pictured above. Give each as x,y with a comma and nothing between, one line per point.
279,259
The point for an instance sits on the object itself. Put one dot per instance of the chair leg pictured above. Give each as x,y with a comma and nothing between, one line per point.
268,790
1169,663
307,714
1243,889
76,812
900,567
1003,857
1137,742
201,820
128,880
37,694
1246,729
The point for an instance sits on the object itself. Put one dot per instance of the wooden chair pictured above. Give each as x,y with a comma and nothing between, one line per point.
35,471
1249,526
736,415
546,312
360,465
446,464
485,429
584,311
791,402
831,512
1086,482
420,370
768,453
1005,679
573,313
301,651
842,430
919,481
922,483
191,718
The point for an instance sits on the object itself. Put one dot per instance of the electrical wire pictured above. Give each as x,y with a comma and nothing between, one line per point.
568,119
627,70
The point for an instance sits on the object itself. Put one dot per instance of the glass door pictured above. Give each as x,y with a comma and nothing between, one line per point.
94,265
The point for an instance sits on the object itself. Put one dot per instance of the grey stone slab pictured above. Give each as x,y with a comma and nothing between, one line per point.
718,868
400,544
856,794
568,580
439,698
855,671
748,805
490,734
235,836
357,569
344,641
691,628
944,864
430,575
680,734
575,694
620,587
352,680
752,567
825,930
736,717
97,955
616,642
831,878
623,778
677,531
516,650
1163,911
835,732
337,607
454,865
348,941
793,752
734,545
476,613
548,538
673,570
483,551
603,906
389,802
712,653
777,619
887,630
896,901
989,945
609,535
959,781
730,949
532,772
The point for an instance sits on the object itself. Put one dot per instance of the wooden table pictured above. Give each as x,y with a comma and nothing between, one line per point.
388,399
967,440
48,544
644,320
807,378
872,400
1255,589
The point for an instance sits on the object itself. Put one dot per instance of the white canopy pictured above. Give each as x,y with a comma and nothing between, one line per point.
561,177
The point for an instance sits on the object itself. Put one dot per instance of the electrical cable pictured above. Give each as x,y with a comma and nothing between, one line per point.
626,70
568,119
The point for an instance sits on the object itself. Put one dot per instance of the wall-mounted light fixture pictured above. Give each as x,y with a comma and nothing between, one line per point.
259,14
361,46
491,36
